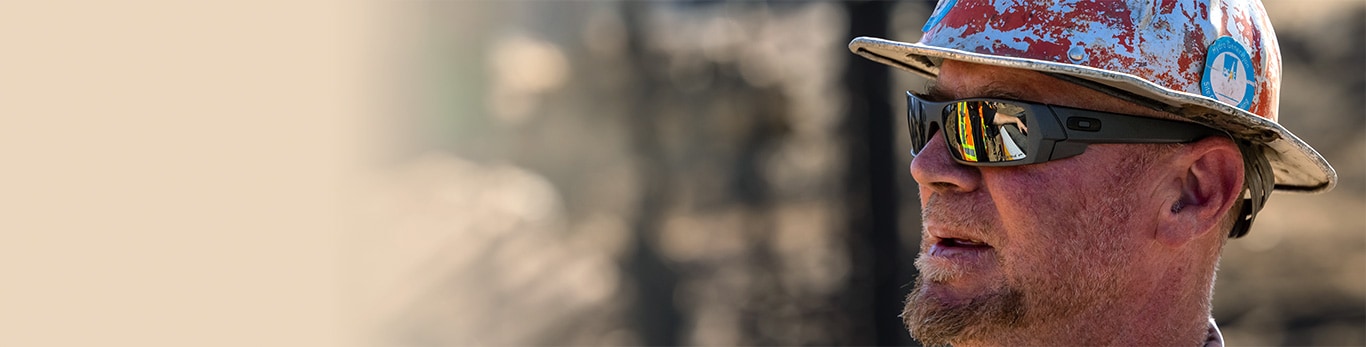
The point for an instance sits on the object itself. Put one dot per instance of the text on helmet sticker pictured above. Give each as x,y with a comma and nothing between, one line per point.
1228,75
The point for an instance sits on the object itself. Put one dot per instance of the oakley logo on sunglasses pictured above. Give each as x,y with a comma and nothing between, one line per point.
1083,123
997,132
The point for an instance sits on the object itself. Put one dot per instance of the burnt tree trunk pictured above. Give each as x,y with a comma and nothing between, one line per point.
653,316
872,195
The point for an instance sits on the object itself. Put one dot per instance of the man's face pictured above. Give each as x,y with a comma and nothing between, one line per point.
1006,248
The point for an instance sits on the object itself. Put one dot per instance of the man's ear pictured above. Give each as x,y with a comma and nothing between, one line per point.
1207,179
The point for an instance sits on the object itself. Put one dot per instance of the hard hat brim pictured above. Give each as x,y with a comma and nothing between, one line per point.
1298,167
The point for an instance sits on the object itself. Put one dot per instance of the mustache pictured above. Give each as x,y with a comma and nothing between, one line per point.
974,218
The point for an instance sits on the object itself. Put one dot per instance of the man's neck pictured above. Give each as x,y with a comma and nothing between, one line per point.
1135,326
1166,309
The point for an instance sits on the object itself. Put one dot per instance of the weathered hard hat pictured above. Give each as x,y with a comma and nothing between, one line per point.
1212,62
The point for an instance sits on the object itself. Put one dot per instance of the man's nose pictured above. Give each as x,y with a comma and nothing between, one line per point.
935,169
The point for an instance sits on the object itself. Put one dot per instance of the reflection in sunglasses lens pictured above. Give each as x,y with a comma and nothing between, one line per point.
986,131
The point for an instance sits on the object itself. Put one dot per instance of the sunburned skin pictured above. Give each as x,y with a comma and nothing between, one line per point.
1028,255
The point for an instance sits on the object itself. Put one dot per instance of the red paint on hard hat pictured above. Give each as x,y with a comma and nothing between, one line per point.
1162,41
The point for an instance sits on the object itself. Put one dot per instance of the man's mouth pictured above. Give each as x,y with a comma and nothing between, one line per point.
949,247
954,242
950,259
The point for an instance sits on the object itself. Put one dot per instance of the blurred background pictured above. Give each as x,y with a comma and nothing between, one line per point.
516,173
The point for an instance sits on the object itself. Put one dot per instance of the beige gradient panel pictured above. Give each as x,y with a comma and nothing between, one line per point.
172,169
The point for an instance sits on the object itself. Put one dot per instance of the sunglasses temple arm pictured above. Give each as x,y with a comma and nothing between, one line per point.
1113,128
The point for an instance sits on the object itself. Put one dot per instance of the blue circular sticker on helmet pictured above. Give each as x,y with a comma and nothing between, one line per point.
1228,76
938,14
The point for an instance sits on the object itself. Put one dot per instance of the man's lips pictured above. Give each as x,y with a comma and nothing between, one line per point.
957,242
958,249
949,242
942,233
950,256
954,246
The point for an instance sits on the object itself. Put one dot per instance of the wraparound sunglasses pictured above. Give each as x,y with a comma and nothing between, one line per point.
997,132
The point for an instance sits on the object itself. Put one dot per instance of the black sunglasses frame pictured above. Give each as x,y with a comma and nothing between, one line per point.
1056,132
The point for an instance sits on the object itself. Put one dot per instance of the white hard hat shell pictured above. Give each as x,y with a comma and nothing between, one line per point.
1168,86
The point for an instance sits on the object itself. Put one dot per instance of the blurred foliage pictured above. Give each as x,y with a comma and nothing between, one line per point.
622,173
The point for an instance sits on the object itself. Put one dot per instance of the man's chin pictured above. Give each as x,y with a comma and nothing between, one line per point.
936,317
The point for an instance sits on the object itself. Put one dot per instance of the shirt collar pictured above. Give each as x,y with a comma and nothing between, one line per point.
1214,339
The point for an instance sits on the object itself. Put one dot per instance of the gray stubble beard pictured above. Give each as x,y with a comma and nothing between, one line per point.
935,323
